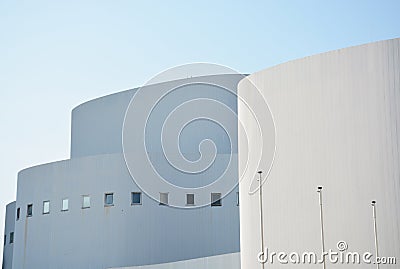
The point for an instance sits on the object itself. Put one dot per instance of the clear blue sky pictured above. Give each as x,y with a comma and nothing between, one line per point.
55,55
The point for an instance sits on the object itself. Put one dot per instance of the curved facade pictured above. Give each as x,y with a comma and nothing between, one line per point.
88,212
337,120
9,230
231,261
335,124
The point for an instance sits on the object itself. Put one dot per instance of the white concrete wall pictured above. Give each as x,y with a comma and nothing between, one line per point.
122,235
9,228
337,118
96,126
226,261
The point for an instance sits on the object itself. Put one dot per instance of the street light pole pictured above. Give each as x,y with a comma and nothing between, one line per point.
373,203
261,216
321,218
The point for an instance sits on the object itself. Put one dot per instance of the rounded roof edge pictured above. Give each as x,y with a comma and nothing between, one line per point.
11,204
158,83
65,161
374,43
101,98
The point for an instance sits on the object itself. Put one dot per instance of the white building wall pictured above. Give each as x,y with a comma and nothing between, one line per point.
96,126
337,118
123,234
228,261
8,229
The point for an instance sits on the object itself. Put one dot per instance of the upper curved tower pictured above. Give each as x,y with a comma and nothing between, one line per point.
97,125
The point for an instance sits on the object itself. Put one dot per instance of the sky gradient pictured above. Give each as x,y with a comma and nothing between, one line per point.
55,55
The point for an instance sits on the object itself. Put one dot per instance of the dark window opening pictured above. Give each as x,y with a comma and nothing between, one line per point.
136,198
29,210
11,237
189,199
109,199
216,199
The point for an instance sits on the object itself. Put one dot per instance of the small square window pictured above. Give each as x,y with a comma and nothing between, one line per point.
216,199
46,207
108,199
136,198
29,210
65,204
163,198
18,213
85,201
11,237
189,199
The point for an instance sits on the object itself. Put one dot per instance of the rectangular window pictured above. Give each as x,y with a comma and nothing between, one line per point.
237,198
216,199
65,204
18,213
29,210
189,199
163,198
5,239
108,199
136,198
46,207
11,237
85,201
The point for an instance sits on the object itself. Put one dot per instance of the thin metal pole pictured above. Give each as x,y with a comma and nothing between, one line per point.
375,232
261,217
321,217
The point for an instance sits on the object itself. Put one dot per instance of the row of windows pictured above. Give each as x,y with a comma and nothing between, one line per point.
136,199
216,199
190,201
11,238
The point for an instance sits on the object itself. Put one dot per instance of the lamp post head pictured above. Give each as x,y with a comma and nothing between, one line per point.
373,202
319,189
259,179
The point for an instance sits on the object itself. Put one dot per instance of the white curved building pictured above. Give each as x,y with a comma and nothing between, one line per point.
329,120
88,212
337,122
